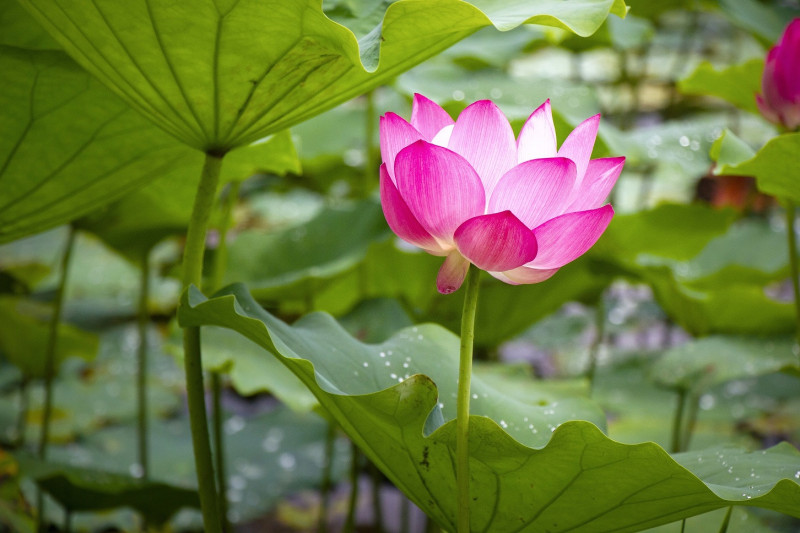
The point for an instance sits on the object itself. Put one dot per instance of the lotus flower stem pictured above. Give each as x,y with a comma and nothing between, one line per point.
50,367
193,365
723,528
141,381
462,405
327,471
677,422
791,239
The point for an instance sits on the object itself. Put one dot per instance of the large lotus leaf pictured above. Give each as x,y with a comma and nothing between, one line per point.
737,84
70,144
717,359
24,333
776,166
570,483
223,74
294,263
163,207
19,29
85,489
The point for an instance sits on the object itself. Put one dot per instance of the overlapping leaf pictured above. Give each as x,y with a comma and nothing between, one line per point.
223,74
405,434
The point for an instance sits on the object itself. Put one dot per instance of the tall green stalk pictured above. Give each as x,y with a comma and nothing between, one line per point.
50,365
141,378
350,522
193,364
217,275
677,422
792,242
462,402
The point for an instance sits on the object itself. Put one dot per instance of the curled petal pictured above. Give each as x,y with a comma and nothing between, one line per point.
483,136
439,187
400,218
428,118
498,242
579,144
601,175
535,190
524,275
537,139
565,238
395,135
452,274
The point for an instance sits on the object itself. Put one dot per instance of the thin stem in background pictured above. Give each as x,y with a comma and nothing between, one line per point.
22,419
370,163
462,406
217,275
691,420
350,522
677,422
594,349
193,363
377,507
141,381
405,514
325,486
792,243
50,367
723,528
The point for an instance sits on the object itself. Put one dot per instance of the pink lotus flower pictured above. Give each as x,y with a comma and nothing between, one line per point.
780,83
467,190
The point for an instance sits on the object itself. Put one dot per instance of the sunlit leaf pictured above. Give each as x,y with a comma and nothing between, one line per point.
70,145
404,433
222,76
776,166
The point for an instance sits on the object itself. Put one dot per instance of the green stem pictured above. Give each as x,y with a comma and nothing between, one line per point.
325,488
792,242
50,365
370,164
723,528
462,405
691,420
350,522
219,448
377,507
677,422
215,283
193,364
22,420
405,514
141,382
594,349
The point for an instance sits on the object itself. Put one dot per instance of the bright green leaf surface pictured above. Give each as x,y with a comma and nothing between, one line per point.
729,150
737,84
776,166
70,144
223,74
390,420
84,489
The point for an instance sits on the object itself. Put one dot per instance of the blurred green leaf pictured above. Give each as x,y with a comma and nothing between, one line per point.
24,333
198,81
729,150
706,362
766,20
737,84
85,489
405,435
296,262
